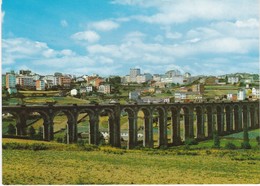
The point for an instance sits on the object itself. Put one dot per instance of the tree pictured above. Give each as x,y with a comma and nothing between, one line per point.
216,139
11,129
245,144
31,131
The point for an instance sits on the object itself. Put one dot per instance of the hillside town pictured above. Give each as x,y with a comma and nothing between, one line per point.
173,86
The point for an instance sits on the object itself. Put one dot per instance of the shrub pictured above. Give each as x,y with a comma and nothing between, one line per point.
31,131
88,147
38,146
25,146
59,140
230,145
191,141
11,129
216,140
245,145
14,145
258,139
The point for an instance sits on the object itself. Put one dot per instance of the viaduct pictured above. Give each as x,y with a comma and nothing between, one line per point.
199,120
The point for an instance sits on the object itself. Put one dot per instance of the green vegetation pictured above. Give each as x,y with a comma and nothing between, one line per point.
37,162
216,140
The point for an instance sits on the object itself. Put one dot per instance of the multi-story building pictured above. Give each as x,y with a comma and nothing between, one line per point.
25,81
134,72
142,78
135,95
198,88
106,89
157,77
64,81
233,79
25,72
10,80
173,79
241,95
51,80
85,89
187,97
256,93
3,80
40,85
36,77
125,79
172,73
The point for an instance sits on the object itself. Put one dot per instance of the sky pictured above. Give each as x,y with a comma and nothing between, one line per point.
108,37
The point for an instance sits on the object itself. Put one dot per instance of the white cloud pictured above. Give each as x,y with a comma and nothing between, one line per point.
105,25
64,23
179,11
250,23
89,36
173,35
134,36
21,48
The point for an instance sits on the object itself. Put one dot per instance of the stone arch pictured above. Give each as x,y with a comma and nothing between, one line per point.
162,125
107,125
200,128
148,126
187,124
210,121
246,116
41,123
237,118
229,118
129,133
58,127
9,117
175,125
220,119
87,125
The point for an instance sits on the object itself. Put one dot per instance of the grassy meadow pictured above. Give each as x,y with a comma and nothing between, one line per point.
35,162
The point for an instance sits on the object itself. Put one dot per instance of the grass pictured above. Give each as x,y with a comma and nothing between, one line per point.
72,164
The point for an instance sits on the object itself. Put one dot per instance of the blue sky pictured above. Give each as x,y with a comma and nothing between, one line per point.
108,37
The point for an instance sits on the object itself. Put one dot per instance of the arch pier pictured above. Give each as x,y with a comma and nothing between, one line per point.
174,122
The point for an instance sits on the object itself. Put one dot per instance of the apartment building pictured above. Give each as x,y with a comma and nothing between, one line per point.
106,89
40,85
25,81
10,80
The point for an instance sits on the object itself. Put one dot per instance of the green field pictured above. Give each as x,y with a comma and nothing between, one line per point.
220,90
73,164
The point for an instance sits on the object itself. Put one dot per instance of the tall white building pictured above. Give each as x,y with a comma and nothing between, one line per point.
144,78
134,72
241,95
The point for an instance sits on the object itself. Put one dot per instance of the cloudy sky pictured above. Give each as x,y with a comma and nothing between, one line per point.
108,37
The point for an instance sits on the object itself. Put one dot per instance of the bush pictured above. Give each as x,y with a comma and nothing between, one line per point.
11,129
230,145
245,145
25,146
59,140
88,147
38,146
191,141
14,145
216,140
258,139
31,131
